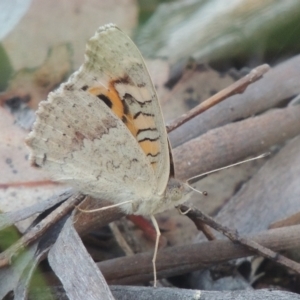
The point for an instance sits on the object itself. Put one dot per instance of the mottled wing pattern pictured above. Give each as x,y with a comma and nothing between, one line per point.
115,72
78,140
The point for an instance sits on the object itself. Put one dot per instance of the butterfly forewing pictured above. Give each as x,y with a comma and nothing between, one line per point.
115,72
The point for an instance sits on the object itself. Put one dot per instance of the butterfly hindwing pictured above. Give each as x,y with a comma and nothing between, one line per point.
78,140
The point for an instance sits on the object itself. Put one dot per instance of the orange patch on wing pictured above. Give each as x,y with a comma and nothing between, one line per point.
117,105
150,147
144,122
112,95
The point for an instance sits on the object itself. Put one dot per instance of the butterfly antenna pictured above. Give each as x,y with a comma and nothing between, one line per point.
229,166
204,193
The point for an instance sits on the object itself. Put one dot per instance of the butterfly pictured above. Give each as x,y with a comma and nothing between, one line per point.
103,132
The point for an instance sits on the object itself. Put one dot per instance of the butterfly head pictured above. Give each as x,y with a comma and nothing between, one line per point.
176,191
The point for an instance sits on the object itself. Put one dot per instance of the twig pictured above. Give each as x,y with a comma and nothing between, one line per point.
87,222
201,226
289,221
235,142
178,260
27,184
164,293
39,229
235,88
196,215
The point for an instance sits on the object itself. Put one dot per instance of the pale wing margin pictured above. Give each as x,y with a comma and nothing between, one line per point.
111,54
78,140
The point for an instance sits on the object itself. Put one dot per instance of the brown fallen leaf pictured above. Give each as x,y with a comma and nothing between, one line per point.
33,85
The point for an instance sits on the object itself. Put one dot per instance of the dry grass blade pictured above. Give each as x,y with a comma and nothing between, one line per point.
73,265
9,218
39,229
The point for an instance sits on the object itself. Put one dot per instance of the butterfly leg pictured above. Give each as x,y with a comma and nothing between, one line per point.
183,212
156,247
102,208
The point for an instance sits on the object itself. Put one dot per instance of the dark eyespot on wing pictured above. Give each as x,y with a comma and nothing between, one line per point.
106,100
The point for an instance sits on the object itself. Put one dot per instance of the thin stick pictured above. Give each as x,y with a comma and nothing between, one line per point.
201,226
237,87
120,239
38,230
178,260
156,248
27,184
289,221
196,215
